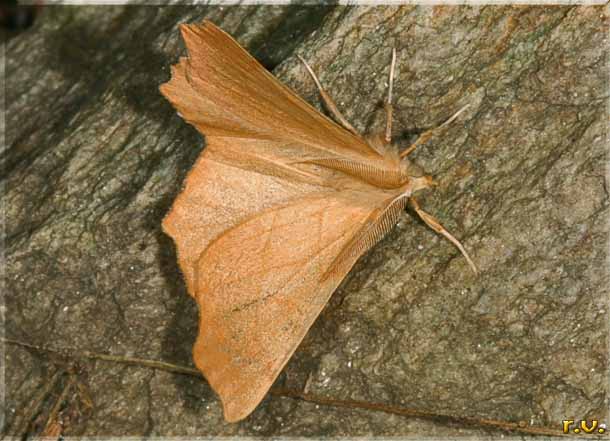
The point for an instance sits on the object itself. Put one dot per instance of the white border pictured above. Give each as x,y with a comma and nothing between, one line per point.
3,149
320,2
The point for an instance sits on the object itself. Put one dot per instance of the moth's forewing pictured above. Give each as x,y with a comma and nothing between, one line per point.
222,90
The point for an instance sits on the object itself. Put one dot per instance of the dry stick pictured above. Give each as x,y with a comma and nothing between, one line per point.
290,393
117,359
404,411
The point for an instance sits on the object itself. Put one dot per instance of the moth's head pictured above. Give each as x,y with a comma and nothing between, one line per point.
418,179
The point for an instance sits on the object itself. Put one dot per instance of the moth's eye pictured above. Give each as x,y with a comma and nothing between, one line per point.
411,168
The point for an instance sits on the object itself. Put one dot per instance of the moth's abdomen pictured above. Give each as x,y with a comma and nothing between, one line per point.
379,223
381,177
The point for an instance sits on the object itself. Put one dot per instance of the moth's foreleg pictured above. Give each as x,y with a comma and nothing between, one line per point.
428,133
328,101
388,104
436,226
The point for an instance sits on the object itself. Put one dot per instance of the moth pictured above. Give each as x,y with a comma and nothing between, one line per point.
274,213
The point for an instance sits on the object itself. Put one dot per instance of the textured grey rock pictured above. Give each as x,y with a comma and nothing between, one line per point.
94,156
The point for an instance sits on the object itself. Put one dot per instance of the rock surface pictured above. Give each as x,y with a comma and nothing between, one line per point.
94,157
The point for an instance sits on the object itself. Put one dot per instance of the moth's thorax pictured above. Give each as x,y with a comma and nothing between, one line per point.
387,170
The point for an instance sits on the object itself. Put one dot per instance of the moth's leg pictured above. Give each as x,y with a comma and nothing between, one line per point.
436,226
388,104
328,101
428,133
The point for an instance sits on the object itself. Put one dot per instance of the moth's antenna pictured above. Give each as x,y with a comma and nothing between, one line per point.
330,104
388,105
428,133
436,226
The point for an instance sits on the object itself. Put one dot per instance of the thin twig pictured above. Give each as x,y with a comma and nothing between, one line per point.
113,358
404,411
290,393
